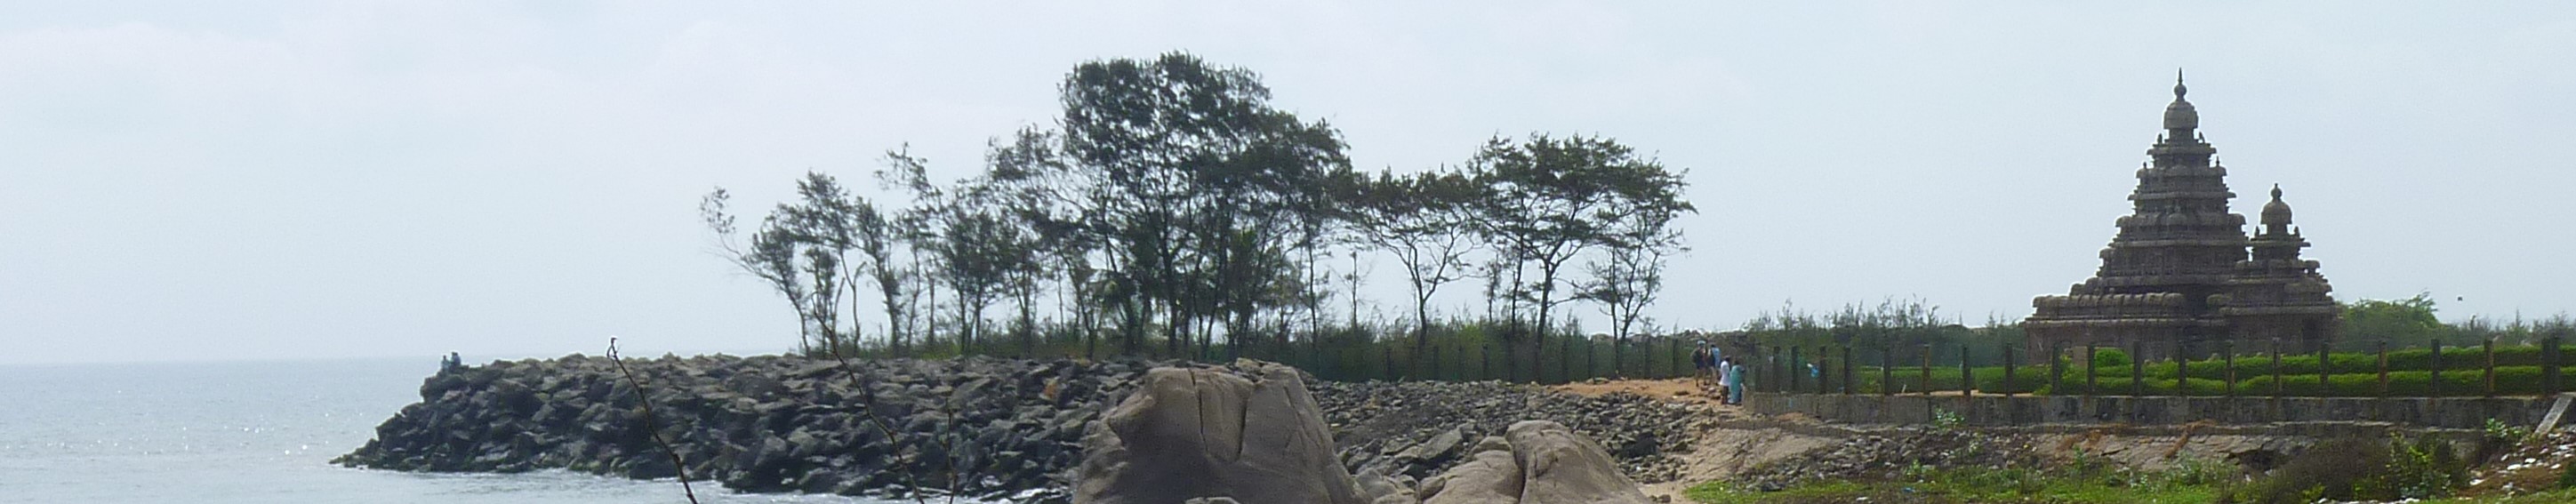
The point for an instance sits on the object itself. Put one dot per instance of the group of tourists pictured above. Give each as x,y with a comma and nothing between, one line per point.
1712,364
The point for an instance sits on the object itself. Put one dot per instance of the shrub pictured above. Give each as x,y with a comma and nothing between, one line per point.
2362,469
2325,471
2110,358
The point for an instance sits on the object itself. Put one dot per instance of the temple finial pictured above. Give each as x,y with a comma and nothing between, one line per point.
2178,89
2276,192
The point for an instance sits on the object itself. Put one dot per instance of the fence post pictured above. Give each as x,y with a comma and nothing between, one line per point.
2325,387
1794,369
2490,373
2008,368
1967,380
1386,359
1927,369
2436,385
1824,370
2383,367
2229,347
2182,374
1675,349
2092,384
1591,358
1850,386
2549,365
1771,369
2056,368
2138,369
1887,369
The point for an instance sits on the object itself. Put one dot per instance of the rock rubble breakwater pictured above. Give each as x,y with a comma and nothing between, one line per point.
1008,428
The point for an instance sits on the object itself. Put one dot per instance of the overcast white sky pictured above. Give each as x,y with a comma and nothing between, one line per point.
248,180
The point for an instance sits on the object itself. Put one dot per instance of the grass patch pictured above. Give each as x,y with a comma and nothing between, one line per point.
1985,485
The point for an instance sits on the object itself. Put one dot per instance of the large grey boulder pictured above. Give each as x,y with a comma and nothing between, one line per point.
1489,476
1197,433
1535,462
1561,466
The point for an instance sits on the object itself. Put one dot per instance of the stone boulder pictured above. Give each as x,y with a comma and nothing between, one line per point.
1489,476
1189,433
1535,462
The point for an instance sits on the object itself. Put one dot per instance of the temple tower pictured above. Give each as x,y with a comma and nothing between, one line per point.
2179,258
2276,295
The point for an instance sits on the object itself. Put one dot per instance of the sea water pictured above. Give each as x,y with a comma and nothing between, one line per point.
254,432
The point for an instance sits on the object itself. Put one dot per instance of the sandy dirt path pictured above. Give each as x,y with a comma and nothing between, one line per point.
1733,441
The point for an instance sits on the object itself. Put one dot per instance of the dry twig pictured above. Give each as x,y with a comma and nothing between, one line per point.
647,400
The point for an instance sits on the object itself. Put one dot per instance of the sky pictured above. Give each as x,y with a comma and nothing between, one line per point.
298,180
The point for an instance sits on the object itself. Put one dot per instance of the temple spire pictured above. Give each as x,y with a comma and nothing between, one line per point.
2180,117
2178,89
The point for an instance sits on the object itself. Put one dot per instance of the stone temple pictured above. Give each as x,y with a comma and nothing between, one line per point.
2182,275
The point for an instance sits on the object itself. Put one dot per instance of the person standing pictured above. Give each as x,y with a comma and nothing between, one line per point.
1735,383
1715,355
1726,382
1700,363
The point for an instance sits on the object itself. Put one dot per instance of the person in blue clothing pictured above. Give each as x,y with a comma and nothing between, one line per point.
1713,358
1734,382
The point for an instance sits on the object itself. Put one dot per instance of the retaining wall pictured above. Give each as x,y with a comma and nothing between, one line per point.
2451,412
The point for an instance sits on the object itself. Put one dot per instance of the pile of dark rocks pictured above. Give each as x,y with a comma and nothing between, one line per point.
984,427
765,424
1887,454
1422,428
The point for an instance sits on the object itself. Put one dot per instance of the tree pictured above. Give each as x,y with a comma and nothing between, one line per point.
917,227
1423,221
876,242
1550,199
1630,276
769,256
1200,180
799,252
2404,322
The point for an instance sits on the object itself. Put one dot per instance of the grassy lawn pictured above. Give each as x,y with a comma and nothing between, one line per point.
2019,486
1979,485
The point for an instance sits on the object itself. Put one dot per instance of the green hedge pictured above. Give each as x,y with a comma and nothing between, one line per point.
2509,380
2417,359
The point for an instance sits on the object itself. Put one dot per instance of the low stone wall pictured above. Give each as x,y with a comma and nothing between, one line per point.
2449,412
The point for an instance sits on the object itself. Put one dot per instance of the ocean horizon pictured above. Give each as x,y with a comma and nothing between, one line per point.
256,432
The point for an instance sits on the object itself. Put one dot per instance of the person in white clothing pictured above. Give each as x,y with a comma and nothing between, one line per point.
1726,381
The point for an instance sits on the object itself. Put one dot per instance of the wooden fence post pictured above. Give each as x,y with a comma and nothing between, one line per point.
1794,369
1927,369
2435,389
2325,387
2182,374
1967,380
1887,369
1849,386
2490,373
2056,368
2092,375
2278,390
2549,365
2138,369
2383,367
1824,370
2008,368
2229,347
